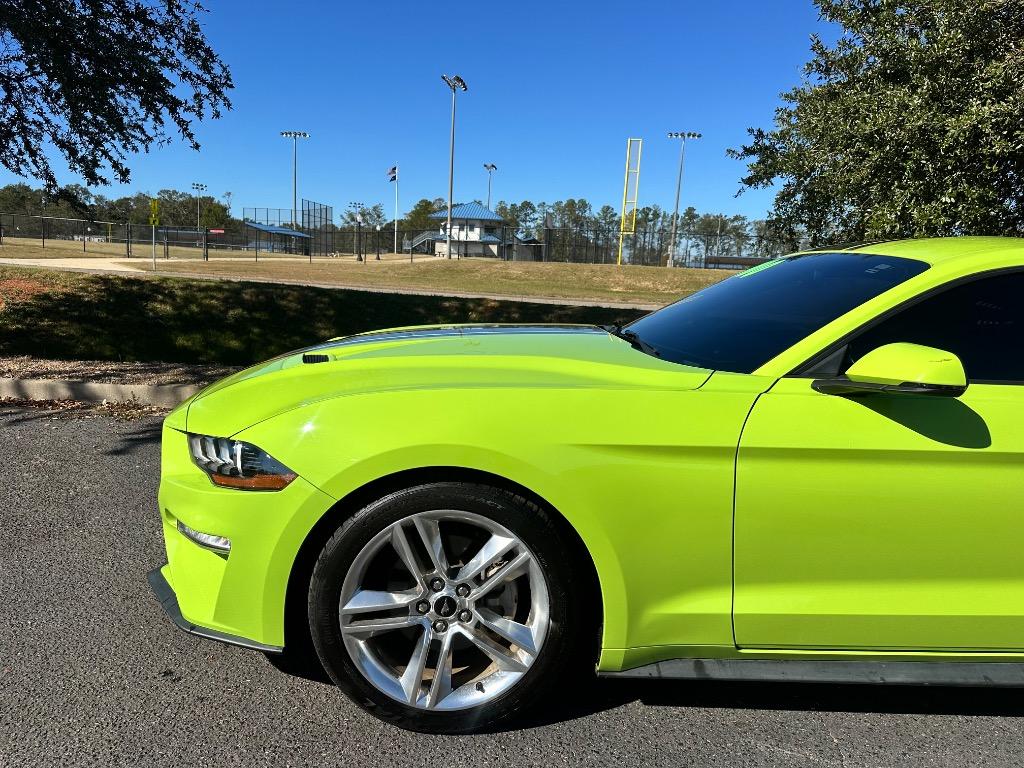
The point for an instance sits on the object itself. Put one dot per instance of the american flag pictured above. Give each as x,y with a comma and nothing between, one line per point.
393,173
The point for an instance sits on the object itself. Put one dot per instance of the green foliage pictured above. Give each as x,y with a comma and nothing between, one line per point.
419,216
909,125
372,216
97,81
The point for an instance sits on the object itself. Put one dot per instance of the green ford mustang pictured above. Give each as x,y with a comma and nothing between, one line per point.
813,470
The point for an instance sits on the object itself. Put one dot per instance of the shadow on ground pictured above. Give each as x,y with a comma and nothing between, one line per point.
136,439
599,695
822,697
102,317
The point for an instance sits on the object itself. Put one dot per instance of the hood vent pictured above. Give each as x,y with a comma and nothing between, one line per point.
314,358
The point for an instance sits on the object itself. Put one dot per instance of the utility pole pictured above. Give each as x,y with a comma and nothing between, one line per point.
682,136
455,83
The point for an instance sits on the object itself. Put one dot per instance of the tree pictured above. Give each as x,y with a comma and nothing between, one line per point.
372,216
419,216
606,220
909,125
522,216
97,81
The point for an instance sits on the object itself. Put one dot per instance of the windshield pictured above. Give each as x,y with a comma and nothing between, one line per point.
743,322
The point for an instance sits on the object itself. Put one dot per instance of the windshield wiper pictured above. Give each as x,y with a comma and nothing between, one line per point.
632,338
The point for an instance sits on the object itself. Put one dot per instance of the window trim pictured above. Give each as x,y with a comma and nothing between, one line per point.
801,371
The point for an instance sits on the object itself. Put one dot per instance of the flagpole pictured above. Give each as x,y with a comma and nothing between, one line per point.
396,210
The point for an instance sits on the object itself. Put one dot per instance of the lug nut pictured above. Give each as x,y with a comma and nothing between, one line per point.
422,606
440,626
462,590
465,615
436,584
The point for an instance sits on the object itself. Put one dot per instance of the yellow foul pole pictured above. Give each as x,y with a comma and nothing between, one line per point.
627,225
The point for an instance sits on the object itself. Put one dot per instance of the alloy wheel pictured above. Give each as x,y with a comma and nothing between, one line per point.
444,610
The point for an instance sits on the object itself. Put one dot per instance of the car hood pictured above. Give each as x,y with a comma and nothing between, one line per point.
430,357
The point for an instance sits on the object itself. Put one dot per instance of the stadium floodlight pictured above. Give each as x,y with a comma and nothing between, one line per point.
682,136
198,189
295,136
490,168
455,83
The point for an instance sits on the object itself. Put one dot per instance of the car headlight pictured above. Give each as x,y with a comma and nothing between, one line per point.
237,464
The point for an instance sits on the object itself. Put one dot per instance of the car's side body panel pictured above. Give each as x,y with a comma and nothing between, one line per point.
881,521
644,476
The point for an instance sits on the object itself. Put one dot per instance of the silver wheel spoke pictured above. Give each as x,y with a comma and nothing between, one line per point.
401,544
430,534
371,627
496,546
441,685
503,657
412,678
366,600
516,633
512,570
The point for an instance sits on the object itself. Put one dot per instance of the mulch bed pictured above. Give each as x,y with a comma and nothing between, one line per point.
107,372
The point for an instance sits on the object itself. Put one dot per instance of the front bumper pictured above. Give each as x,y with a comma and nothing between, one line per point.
239,596
169,602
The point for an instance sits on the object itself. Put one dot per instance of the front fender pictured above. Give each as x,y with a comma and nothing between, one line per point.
344,444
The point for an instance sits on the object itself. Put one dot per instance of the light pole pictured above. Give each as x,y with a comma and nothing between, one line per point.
456,83
359,237
378,242
490,168
682,136
295,136
198,189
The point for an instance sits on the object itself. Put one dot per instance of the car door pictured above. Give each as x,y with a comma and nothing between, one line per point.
891,521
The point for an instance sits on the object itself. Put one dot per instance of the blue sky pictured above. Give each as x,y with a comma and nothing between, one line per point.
555,89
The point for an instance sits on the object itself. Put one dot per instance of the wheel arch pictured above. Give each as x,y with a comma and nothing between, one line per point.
296,628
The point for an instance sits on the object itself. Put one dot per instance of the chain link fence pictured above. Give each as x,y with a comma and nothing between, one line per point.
71,235
51,236
317,238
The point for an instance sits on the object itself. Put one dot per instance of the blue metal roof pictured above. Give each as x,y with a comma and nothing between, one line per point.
271,229
468,211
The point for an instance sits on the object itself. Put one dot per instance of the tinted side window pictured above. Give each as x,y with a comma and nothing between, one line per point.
982,322
746,320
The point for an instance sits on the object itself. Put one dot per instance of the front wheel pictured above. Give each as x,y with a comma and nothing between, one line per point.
446,608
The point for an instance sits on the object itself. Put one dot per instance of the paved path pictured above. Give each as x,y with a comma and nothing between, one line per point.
92,673
105,266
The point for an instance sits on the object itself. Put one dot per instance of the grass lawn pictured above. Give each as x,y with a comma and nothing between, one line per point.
601,282
74,316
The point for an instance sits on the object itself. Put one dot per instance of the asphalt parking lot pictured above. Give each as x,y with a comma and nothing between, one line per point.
92,673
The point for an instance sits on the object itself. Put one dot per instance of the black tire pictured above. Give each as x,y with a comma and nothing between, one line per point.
569,650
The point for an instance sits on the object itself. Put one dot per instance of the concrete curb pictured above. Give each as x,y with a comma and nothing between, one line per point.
161,395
